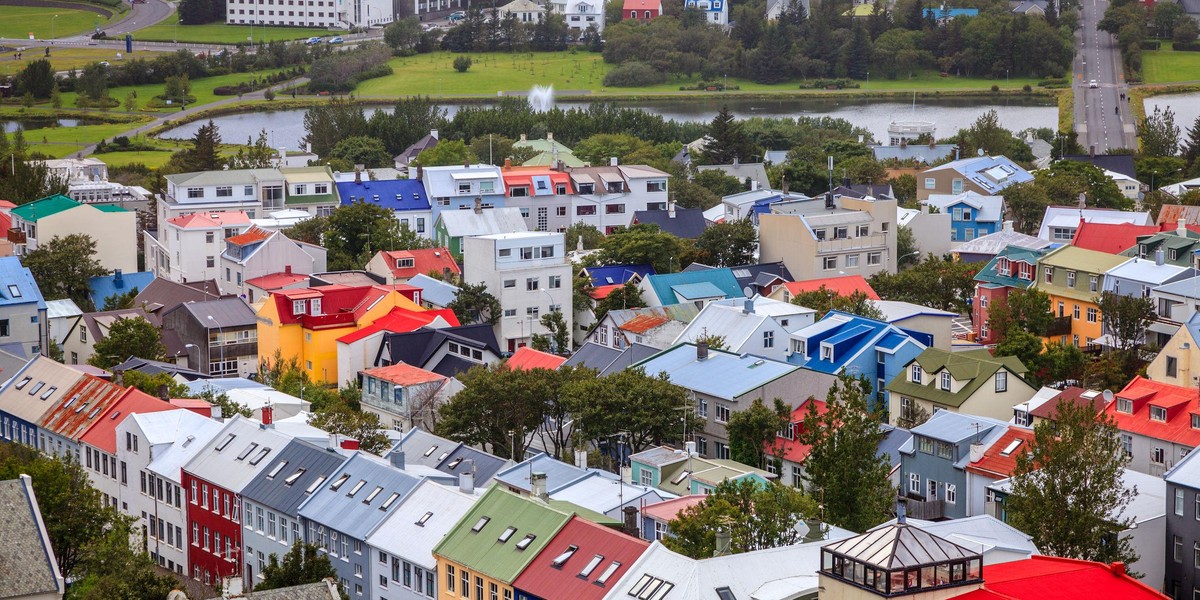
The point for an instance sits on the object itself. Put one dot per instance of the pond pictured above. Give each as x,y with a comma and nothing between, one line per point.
1185,106
31,124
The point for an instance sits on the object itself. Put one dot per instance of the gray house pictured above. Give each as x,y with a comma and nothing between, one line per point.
933,463
271,502
345,509
218,337
1182,576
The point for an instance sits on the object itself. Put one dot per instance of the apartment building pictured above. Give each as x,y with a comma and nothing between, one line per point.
830,236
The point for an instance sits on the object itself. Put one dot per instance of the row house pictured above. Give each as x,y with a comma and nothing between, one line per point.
1045,405
69,415
185,249
419,448
971,382
1062,223
213,480
684,472
407,200
657,517
830,236
257,252
400,266
657,327
607,197
453,188
593,489
105,463
1178,244
1073,278
24,316
583,561
1014,268
790,452
252,191
112,228
754,325
934,464
1137,278
271,503
541,194
449,351
29,394
1159,423
223,334
1182,540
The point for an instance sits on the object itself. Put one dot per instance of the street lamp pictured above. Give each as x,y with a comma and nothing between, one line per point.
52,26
220,343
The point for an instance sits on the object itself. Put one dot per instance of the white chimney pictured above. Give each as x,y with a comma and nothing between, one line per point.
537,485
1008,226
1181,228
976,452
1160,257
581,459
670,210
433,133
466,482
612,162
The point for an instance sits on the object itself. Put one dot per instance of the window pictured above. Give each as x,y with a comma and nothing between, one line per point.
614,209
874,259
1070,279
946,380
1178,549
1158,456
1158,413
1092,314
531,284
1172,366
1093,283
930,183
1179,502
1127,444
1002,381
1048,274
852,260
554,282
829,263
658,185
722,413
298,306
951,493
914,483
768,339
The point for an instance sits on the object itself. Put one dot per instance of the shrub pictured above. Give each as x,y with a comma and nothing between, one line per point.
462,63
633,74
995,88
1026,88
269,95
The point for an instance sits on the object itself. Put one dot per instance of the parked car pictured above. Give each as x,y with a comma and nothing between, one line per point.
336,40
457,16
312,40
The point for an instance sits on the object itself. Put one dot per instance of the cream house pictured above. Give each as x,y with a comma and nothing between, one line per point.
1178,363
818,238
972,382
113,228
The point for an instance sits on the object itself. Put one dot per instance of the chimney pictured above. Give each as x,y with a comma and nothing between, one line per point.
976,452
119,280
1092,151
433,133
581,460
466,482
845,182
267,416
287,269
216,414
537,486
829,203
1180,230
508,163
748,306
466,164
549,136
357,176
333,442
735,161
722,548
612,161
479,206
702,351
522,137
670,210
690,448
784,186
631,520
420,172
1160,257
350,444
1008,226
397,459
119,378
163,394
1117,568
901,509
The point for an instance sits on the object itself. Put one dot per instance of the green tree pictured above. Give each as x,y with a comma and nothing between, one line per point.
1068,491
598,149
403,34
625,297
1125,318
462,63
339,417
130,102
495,149
151,384
942,283
753,430
355,232
1070,178
177,88
204,155
63,267
648,409
128,337
361,150
717,182
844,467
728,244
908,252
1026,205
119,300
824,300
713,341
1060,363
726,141
643,244
1027,310
558,340
92,83
904,187
115,571
36,78
592,238
446,152
1020,343
1191,148
474,304
304,563
757,517
497,409
857,53
254,155
1186,31
1158,133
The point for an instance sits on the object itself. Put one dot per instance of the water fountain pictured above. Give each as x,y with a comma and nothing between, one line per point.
541,98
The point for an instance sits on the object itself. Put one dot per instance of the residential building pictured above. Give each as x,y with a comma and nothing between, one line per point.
342,512
994,462
548,152
972,214
1113,238
223,334
790,452
983,249
757,325
607,361
752,204
684,472
657,517
583,561
117,284
87,180
61,316
306,323
689,287
1029,579
971,382
683,223
403,543
933,464
404,396
358,350
1013,268
996,540
19,416
1137,278
264,285
166,440
1060,223
641,10
30,566
929,326
762,278
602,281
753,175
1181,538
63,423
1178,244
93,327
1169,214
984,175
721,383
454,188
252,191
607,197
400,266
435,293
715,11
1159,423
524,11
933,229
596,490
1178,363
405,198
359,14
1122,164
24,317
257,252
822,238
541,194
528,359
214,479
529,274
1175,304
845,285
276,493
580,15
454,226
418,448
1074,278
311,189
112,228
406,158
163,294
846,344
657,327
1044,405
447,351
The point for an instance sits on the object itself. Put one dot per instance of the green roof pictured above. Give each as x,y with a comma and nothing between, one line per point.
990,274
483,551
1082,259
975,367
330,198
543,145
546,159
109,207
45,207
711,471
1167,240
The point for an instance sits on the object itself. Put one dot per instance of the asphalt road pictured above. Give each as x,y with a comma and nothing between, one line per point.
142,15
1102,116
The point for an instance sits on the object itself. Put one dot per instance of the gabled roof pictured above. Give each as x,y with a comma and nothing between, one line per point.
988,209
1146,271
849,335
93,402
842,286
1070,579
340,305
558,474
1000,459
468,223
211,220
723,374
1070,395
426,449
326,589
276,281
284,485
652,5
994,243
223,177
424,260
405,157
685,223
434,291
253,235
737,319
583,561
392,194
421,521
117,283
19,286
1169,214
400,320
22,395
665,285
641,320
792,449
1111,238
403,375
162,294
528,359
1179,402
973,367
419,347
614,274
178,434
369,489
899,546
153,367
225,312
236,454
603,493
607,361
990,272
1070,216
28,567
758,275
667,510
991,173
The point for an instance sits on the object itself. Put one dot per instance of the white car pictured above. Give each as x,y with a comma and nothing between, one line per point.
1093,84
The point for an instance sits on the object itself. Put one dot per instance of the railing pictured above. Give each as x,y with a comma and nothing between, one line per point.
1058,326
16,236
928,510
877,240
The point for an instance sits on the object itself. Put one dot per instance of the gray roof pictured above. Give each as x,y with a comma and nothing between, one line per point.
227,312
754,171
273,487
955,427
898,546
162,294
434,291
27,563
980,533
448,456
229,177
235,455
558,473
892,442
410,534
608,360
346,509
56,309
468,223
1191,7
321,590
723,374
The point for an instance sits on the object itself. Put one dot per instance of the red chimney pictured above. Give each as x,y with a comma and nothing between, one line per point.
1118,568
268,415
287,269
349,444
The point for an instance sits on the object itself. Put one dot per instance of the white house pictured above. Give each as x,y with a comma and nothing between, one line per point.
715,11
580,14
325,14
253,191
257,252
186,248
1060,222
759,326
607,197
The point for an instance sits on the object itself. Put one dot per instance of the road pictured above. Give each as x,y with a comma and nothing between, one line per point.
1102,116
142,15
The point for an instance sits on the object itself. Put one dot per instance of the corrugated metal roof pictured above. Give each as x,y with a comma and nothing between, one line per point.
57,309
433,291
583,561
30,569
76,409
236,454
371,488
722,374
468,223
283,485
21,397
227,312
410,534
558,473
607,495
186,433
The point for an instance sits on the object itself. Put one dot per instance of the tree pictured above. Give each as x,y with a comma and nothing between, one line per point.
63,267
591,236
304,563
339,417
648,409
726,141
199,12
403,34
254,155
119,300
844,467
643,244
713,341
757,517
497,409
1067,490
942,283
1191,149
752,430
824,300
728,244
446,152
474,304
37,78
1026,205
1060,363
177,88
1159,134
625,297
362,150
1185,32
116,571
495,149
462,63
1125,318
907,249
152,384
355,232
558,340
1027,310
1070,178
204,154
857,53
1026,346
128,337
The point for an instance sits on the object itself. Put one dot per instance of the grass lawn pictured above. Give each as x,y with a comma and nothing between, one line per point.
151,159
1168,66
20,21
202,90
434,75
220,33
61,58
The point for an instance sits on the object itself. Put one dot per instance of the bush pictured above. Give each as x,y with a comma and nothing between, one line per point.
462,63
1055,82
1151,45
822,84
269,95
995,88
633,74
1025,88
1188,47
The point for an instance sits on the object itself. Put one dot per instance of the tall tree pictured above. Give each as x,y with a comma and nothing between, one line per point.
1026,205
204,155
648,409
857,54
254,155
757,517
355,232
750,431
643,244
1125,318
1069,178
497,409
361,150
63,267
1067,490
340,417
726,141
728,244
1191,149
446,152
304,563
1158,133
37,78
474,304
942,283
824,300
844,468
128,337
1028,310
558,340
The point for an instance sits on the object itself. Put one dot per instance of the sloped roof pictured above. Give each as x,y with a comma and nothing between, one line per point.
1070,579
27,563
340,305
46,378
426,449
1118,163
425,260
44,207
722,374
730,319
849,335
434,291
558,474
13,273
991,274
991,173
211,220
1071,395
1179,402
994,243
226,312
973,367
527,359
1111,238
326,589
392,194
596,553
400,319
614,274
989,209
236,454
685,223
356,505
253,235
607,360
402,374
1070,216
899,546
101,432
410,534
418,347
1169,214
117,283
468,223
162,294
842,286
284,485
664,284
1000,459
184,432
668,510
276,281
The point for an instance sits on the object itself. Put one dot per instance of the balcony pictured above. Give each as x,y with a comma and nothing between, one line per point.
928,510
873,241
16,236
1058,326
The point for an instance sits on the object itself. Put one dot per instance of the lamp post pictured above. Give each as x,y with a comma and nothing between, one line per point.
221,343
52,26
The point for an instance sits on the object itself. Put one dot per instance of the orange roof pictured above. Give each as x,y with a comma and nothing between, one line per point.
644,323
7,204
103,433
78,407
667,510
1180,404
401,320
842,286
995,463
602,292
523,177
424,261
793,449
528,359
250,236
210,220
404,374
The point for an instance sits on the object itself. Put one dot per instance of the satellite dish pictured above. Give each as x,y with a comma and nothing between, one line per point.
979,152
1108,396
748,292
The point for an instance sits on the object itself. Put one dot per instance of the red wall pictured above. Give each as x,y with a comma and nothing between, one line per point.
217,523
979,316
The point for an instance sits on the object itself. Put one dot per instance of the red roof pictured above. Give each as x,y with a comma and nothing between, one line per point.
1069,578
424,261
210,220
1180,404
404,374
7,204
401,320
340,305
103,433
77,408
793,450
995,463
1071,395
523,177
644,323
528,359
196,405
667,510
842,286
640,5
602,292
542,578
1110,238
5,221
250,236
276,281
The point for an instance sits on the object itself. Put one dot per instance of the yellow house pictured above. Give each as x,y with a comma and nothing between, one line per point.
306,323
1073,278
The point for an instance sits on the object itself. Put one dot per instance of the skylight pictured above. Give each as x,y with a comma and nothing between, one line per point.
37,387
260,456
591,566
14,291
251,448
115,415
23,383
225,442
454,463
95,411
443,456
480,524
526,541
564,557
430,451
294,476
49,392
70,401
276,469
680,477
1011,447
371,496
508,533
725,593
357,486
392,499
316,484
608,572
423,519
640,585
82,407
340,480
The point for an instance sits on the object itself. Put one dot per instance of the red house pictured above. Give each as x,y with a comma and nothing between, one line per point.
1014,268
641,10
583,561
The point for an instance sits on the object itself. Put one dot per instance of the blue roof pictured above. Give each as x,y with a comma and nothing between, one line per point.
722,279
352,514
434,291
392,194
990,173
723,374
558,473
849,335
616,274
950,13
117,283
14,275
696,291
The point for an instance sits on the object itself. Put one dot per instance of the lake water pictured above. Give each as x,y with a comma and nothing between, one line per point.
286,128
1185,106
31,124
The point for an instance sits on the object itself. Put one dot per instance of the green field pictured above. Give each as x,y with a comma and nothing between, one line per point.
220,33
434,75
20,21
1169,66
62,141
61,58
151,159
202,90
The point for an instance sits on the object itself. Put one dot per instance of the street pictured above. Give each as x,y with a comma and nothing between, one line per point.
1102,116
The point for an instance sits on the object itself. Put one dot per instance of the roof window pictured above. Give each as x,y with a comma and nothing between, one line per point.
564,557
526,541
260,456
225,442
37,387
316,484
591,566
251,448
480,524
392,499
340,480
291,479
276,469
357,486
24,382
608,572
680,477
46,394
371,496
424,518
430,451
1011,447
508,533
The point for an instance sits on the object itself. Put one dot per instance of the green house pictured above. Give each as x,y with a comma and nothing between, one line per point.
310,189
452,226
673,470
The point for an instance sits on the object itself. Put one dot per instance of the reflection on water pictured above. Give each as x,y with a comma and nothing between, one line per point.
1185,106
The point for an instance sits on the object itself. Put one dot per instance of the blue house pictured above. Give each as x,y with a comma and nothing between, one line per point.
933,463
406,198
117,283
715,11
972,215
845,343
615,274
698,287
24,329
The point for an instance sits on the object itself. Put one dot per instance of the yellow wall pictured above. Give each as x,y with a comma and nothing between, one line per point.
1080,326
445,592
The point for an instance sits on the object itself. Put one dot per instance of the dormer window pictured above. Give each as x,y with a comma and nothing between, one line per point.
298,307
1158,413
314,306
1195,421
915,375
946,381
826,352
1125,405
404,263
1003,266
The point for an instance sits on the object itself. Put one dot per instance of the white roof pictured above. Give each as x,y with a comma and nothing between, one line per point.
895,310
727,319
257,398
982,534
1069,217
1115,176
715,214
990,208
442,181
297,427
904,216
400,535
993,243
185,431
1042,396
605,495
56,309
1143,270
240,456
468,223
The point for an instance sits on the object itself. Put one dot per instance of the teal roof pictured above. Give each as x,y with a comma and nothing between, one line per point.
109,208
44,207
666,285
695,291
989,274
